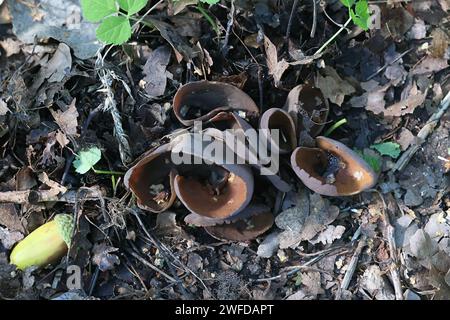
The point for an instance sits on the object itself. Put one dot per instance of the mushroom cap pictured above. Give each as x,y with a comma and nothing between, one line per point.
278,119
210,98
243,230
247,212
352,175
233,197
153,168
306,100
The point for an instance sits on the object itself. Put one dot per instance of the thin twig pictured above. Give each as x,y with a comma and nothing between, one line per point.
314,23
388,233
388,64
230,23
288,29
351,268
423,134
151,266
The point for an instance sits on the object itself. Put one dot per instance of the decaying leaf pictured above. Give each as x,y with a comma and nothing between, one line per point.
330,234
155,79
310,216
166,224
412,98
276,67
422,246
3,108
333,87
429,65
103,257
11,46
9,238
311,281
67,120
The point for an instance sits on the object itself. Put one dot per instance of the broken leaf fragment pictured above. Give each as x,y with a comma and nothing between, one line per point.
391,149
86,159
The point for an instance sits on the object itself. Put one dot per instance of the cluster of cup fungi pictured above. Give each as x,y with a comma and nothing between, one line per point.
220,196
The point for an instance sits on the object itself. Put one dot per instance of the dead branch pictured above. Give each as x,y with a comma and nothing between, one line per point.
423,134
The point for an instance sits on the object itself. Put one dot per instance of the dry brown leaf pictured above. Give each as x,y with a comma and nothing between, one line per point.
155,72
414,98
333,87
429,65
67,120
11,46
276,68
3,108
405,138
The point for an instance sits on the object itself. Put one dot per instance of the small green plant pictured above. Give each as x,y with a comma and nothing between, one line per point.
115,27
86,159
373,161
115,16
391,149
359,14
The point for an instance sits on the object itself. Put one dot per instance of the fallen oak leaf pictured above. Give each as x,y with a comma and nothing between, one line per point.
276,68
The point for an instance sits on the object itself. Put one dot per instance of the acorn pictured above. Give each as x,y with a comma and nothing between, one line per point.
45,245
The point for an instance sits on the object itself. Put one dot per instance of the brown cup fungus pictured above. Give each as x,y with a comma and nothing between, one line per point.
332,169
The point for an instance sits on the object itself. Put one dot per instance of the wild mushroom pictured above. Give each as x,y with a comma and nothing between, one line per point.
201,100
332,169
151,180
278,119
308,108
202,221
243,230
215,191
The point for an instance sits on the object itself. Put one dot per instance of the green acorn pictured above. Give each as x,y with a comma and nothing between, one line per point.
45,245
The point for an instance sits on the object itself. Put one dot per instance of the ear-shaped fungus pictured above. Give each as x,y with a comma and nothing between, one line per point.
308,108
332,169
151,180
243,230
279,119
201,100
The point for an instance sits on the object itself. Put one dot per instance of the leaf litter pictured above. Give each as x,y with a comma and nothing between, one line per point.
53,132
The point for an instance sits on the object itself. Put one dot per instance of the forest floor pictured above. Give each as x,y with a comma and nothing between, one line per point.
63,92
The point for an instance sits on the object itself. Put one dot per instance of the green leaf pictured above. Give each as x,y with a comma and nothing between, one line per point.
348,3
374,162
362,9
114,30
362,23
390,149
210,1
96,10
132,6
87,159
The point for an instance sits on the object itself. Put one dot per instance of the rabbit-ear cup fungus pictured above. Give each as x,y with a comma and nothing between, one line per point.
278,119
202,221
221,195
243,230
202,100
332,169
151,180
308,108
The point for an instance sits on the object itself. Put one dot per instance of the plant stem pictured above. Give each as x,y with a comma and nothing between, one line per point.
335,126
333,37
208,18
107,172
